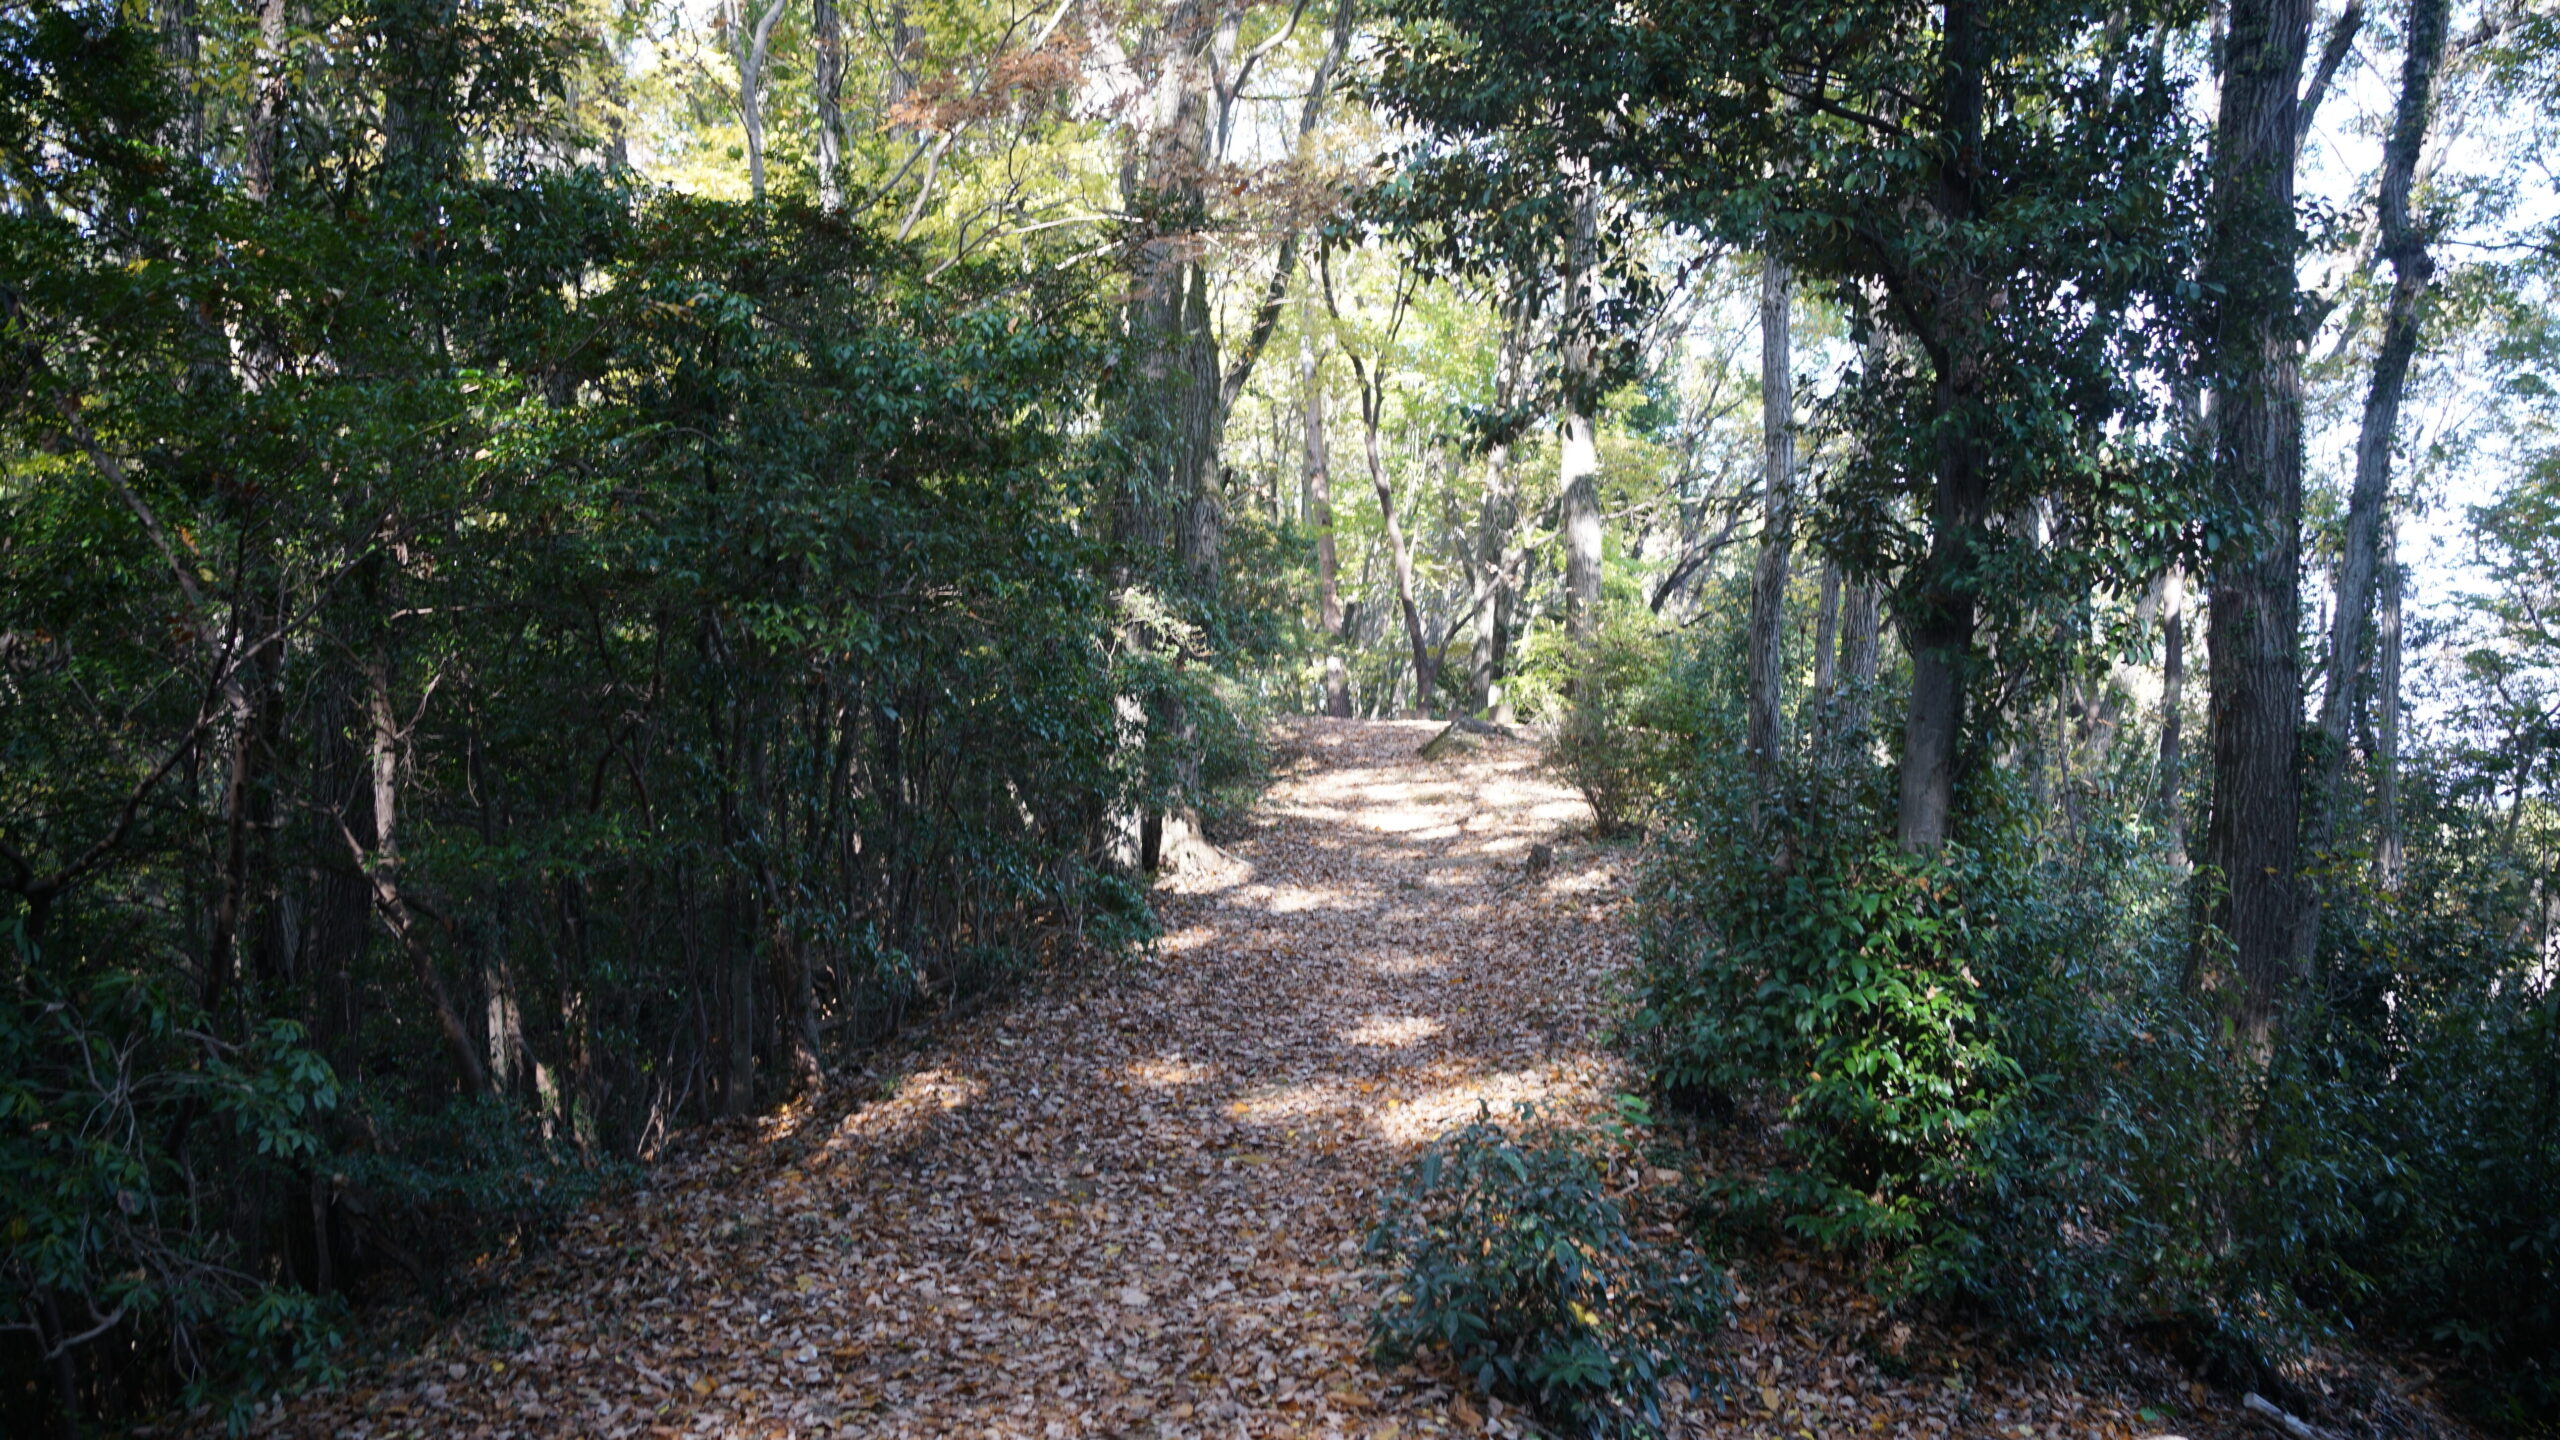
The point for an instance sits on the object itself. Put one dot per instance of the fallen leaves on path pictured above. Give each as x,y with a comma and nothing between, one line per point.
1132,1207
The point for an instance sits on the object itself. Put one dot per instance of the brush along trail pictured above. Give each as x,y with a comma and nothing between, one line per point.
1131,1204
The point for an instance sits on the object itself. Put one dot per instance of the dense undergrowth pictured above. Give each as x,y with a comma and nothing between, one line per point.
503,663
2000,1080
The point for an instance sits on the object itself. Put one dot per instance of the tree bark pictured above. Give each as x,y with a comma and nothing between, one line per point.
754,46
1765,640
382,871
2252,833
2173,715
2404,244
1319,487
826,80
1372,402
1498,568
1579,471
1826,636
2388,862
1939,608
266,106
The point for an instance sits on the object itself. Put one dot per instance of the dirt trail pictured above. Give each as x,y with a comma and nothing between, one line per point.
1126,1209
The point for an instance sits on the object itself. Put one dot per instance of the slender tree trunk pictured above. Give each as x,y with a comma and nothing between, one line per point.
826,79
1498,567
2253,831
1579,472
382,869
754,48
266,105
2387,859
182,50
2173,714
1765,640
1492,582
2404,244
1319,487
1372,401
1826,636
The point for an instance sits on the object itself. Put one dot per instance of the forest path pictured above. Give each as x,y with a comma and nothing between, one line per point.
1128,1207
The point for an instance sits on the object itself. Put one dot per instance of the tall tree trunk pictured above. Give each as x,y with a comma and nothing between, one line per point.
2404,244
1372,402
1492,576
2387,858
1765,641
1939,612
2173,715
1175,352
1826,636
1319,486
1498,568
182,51
1859,633
266,105
1579,471
754,46
2252,834
382,871
826,83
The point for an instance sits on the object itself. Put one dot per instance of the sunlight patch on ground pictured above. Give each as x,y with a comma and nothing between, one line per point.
1306,1100
1188,939
1167,1071
1298,900
1571,1087
921,1099
1394,1031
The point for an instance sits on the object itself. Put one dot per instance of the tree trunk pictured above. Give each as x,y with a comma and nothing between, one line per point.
2387,858
2404,244
1579,473
1372,401
1319,486
2252,832
1858,638
1498,568
826,79
1765,641
266,106
2173,715
182,51
1826,636
1492,582
754,46
1939,611
382,869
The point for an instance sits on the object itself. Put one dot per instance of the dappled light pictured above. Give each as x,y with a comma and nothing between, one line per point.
1129,1207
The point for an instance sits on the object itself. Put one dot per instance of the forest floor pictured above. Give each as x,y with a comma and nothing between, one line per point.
1131,1204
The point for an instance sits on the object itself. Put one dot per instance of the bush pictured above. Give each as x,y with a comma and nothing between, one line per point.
1980,1062
1616,739
1511,1258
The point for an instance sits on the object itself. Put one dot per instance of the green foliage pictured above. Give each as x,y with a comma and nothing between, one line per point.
105,1080
1979,1061
572,661
1618,713
1508,1255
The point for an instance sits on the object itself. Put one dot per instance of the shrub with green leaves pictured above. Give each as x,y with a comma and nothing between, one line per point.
1508,1255
1981,1062
1615,736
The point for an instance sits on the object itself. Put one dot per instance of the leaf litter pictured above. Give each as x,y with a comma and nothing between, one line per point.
1132,1206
